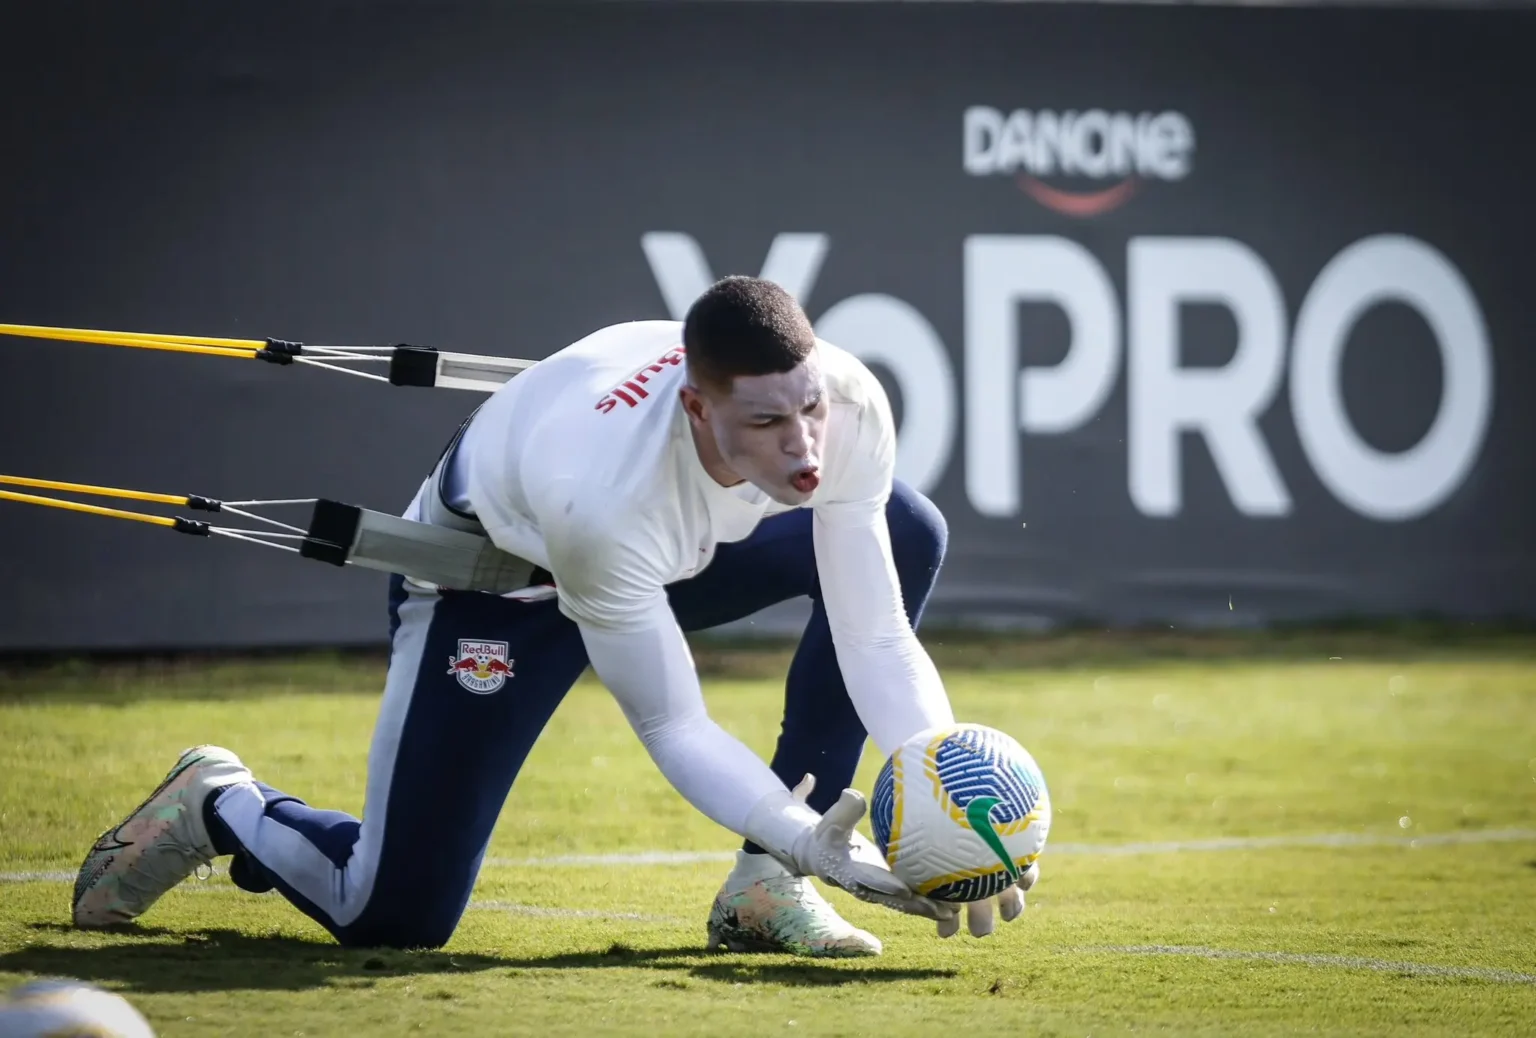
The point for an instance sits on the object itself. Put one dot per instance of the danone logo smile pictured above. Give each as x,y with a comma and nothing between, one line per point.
1094,146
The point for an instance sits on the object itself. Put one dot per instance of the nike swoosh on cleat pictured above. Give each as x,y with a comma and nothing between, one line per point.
108,842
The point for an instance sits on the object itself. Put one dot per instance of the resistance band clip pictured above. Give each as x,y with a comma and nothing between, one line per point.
413,366
332,531
279,351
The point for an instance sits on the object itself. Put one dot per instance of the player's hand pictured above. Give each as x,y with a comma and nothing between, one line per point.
980,919
837,854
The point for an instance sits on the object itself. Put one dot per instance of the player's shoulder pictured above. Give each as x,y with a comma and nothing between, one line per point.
848,379
603,428
572,390
861,410
618,342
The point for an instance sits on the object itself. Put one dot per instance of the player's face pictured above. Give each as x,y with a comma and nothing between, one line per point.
770,430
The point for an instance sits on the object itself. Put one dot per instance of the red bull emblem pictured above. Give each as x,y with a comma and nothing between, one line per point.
481,667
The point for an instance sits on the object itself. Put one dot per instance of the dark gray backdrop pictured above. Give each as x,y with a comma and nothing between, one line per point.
481,177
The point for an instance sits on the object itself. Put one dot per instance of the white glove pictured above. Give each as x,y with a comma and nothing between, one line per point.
835,853
979,918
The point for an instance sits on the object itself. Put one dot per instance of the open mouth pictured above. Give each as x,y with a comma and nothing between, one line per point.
806,482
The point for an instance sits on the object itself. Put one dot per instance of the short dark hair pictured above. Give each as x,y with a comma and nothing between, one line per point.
745,326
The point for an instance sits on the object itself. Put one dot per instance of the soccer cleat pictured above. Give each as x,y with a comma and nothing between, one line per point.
785,914
162,842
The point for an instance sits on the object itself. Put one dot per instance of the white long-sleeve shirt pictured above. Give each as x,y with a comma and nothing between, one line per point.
585,465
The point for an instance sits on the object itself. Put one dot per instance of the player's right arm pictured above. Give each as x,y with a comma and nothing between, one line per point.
610,585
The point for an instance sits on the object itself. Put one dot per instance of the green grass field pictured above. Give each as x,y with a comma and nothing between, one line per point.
1376,799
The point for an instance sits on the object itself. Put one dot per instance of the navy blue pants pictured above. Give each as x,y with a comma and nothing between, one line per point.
445,754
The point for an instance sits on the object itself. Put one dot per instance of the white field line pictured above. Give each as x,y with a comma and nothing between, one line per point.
1413,969
205,887
1099,850
1259,843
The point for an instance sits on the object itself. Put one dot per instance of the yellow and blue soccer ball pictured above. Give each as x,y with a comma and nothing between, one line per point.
68,1008
960,812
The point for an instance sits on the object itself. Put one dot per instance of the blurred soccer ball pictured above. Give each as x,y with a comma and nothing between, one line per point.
69,1009
960,812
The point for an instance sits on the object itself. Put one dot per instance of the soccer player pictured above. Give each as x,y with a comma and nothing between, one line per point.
664,477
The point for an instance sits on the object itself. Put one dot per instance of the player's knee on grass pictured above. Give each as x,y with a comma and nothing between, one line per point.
414,910
404,931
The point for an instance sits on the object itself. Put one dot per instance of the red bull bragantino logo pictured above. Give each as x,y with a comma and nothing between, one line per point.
1078,163
482,667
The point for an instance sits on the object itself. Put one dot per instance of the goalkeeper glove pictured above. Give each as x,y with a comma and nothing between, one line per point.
829,848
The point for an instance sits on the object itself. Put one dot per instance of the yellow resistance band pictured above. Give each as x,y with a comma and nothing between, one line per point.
247,348
85,488
73,506
33,331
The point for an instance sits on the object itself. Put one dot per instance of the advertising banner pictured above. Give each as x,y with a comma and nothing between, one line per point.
1191,315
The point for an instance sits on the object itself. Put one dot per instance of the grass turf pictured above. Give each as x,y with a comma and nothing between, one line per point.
1383,746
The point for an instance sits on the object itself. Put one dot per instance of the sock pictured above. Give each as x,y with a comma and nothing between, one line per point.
750,869
249,875
244,871
223,840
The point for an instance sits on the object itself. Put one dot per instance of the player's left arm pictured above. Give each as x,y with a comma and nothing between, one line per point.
891,679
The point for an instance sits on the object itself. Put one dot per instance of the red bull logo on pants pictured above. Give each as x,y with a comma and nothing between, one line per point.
480,666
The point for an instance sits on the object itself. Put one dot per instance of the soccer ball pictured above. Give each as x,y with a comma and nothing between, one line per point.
69,1009
960,812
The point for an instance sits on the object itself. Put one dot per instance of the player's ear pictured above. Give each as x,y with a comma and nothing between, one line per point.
695,404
